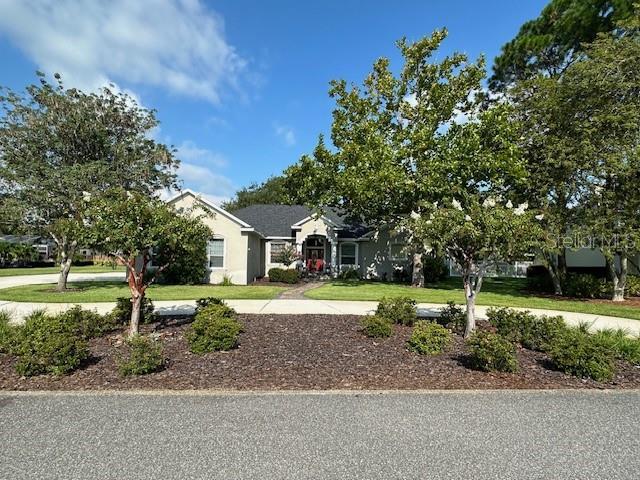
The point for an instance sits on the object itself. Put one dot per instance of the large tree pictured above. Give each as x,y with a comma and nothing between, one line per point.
384,133
58,144
131,227
271,191
553,41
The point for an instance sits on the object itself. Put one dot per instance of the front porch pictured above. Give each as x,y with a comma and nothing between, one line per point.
326,256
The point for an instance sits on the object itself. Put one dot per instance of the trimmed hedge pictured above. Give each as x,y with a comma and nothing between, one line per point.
283,275
400,310
429,338
534,333
144,356
491,352
584,285
215,328
583,355
376,326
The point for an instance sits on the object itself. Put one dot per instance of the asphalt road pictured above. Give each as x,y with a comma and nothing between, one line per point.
445,435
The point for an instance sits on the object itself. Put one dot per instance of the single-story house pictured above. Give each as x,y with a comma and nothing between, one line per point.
247,242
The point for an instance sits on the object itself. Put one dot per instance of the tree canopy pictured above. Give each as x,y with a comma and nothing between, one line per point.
271,191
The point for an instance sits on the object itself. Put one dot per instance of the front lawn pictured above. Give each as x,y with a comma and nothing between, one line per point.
109,291
12,272
499,292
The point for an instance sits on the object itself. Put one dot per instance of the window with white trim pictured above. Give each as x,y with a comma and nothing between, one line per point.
276,252
347,253
397,251
215,252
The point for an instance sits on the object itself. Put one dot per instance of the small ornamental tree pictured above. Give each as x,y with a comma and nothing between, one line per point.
129,226
476,236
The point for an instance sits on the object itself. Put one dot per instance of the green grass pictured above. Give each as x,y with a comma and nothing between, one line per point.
12,272
85,292
509,292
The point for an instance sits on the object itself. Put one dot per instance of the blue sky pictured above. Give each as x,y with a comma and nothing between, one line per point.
240,87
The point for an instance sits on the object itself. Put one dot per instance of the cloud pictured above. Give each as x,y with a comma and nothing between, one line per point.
177,45
215,187
190,152
286,133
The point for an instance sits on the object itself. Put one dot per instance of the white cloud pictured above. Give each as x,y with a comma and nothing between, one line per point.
215,187
189,152
178,45
286,133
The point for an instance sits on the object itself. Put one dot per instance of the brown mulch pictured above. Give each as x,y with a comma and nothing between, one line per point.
292,352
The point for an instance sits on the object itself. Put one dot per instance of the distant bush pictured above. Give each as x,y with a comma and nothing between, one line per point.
144,356
491,352
283,275
539,279
349,274
452,317
583,285
214,328
121,314
8,333
633,286
376,326
227,281
429,338
206,301
190,268
49,344
583,355
434,267
401,310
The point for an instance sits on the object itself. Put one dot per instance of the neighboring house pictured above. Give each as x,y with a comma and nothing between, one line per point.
248,242
44,247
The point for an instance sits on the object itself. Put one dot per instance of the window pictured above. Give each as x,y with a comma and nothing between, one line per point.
347,253
397,251
276,252
215,252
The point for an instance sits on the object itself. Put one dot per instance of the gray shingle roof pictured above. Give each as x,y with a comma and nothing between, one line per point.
276,220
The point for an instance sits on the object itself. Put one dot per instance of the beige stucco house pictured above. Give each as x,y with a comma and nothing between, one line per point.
248,242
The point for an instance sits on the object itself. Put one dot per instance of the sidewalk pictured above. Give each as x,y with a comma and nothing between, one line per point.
301,307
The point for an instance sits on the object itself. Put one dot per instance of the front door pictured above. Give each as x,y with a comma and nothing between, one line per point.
314,254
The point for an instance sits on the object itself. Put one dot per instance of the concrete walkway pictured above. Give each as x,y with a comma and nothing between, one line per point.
18,280
19,310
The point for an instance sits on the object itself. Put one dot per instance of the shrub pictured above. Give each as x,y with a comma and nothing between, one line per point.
583,285
452,317
8,333
121,314
401,310
227,281
429,338
510,324
49,344
539,279
349,274
214,328
435,268
88,323
583,355
491,352
206,301
190,267
144,356
283,275
623,346
534,333
376,326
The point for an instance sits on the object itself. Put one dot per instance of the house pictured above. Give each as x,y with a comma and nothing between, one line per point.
248,242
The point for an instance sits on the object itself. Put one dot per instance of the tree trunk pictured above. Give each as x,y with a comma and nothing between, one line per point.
554,272
470,298
418,273
562,263
66,257
136,304
619,280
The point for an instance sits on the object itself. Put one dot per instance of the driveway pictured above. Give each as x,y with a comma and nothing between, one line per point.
444,435
6,282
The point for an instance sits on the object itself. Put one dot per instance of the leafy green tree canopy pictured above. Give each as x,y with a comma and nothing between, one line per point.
271,191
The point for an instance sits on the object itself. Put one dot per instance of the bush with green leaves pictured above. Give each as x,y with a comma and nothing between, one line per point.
190,267
206,301
400,310
144,356
121,313
349,274
539,279
49,344
583,355
584,285
624,347
429,338
88,323
8,333
491,352
215,328
283,275
633,286
434,267
452,317
534,333
376,326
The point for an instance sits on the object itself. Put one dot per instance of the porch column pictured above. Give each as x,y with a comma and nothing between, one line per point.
334,257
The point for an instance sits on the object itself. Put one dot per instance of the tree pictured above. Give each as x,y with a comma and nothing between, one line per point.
58,144
271,191
384,133
550,43
130,226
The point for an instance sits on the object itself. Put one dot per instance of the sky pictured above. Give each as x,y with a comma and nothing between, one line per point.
240,87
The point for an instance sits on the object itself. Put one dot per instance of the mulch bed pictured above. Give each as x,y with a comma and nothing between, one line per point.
294,352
